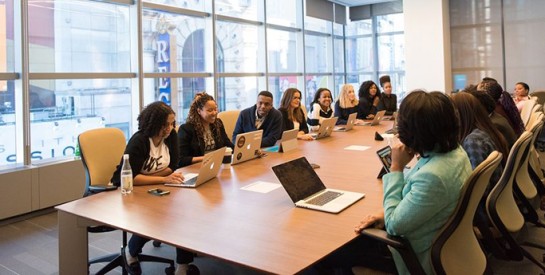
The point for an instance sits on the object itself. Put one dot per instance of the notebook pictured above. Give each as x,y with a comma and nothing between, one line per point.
376,120
306,189
247,146
349,124
394,127
210,167
326,128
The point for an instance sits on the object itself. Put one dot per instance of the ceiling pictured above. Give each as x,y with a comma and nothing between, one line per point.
351,3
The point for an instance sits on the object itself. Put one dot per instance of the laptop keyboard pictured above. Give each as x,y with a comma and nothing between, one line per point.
324,198
190,181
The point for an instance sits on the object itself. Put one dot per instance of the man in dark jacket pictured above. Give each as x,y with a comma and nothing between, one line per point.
261,116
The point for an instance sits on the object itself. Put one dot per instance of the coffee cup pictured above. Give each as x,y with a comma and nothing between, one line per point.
227,157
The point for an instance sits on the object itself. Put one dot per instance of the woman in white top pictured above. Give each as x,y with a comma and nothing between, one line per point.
320,108
521,94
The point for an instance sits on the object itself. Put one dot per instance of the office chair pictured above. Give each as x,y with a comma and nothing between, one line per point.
101,151
502,208
455,249
527,110
540,96
229,119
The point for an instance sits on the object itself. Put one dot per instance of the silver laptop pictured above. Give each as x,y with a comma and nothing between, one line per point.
210,167
306,189
326,128
376,121
394,127
349,124
247,146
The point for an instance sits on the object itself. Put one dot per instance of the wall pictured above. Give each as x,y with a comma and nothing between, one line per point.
427,45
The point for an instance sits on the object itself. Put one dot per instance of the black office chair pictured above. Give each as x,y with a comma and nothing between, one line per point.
456,249
101,151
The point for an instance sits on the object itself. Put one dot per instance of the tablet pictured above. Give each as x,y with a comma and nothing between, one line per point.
385,156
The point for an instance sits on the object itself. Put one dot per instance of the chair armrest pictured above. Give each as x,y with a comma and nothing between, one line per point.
401,245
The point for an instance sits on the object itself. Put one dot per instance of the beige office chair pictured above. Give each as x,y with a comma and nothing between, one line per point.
101,151
540,96
229,119
527,110
502,208
455,249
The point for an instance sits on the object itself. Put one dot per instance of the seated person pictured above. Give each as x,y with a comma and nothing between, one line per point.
417,203
369,97
346,104
203,132
155,140
320,108
261,116
521,94
505,105
292,114
388,101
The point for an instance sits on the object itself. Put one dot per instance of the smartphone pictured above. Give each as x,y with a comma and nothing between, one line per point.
385,156
158,192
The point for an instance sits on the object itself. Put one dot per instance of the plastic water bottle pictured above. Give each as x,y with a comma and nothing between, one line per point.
126,176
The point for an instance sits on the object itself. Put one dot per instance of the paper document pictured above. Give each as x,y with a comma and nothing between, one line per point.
261,187
357,147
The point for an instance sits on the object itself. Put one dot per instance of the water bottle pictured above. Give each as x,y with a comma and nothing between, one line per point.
126,176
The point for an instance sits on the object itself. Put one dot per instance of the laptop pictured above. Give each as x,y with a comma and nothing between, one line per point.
349,124
306,189
247,146
394,127
210,167
376,121
326,128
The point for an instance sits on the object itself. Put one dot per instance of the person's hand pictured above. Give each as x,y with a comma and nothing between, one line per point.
376,101
370,116
401,156
305,137
359,121
175,177
375,220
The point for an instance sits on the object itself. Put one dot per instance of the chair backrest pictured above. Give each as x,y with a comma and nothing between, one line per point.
500,204
456,249
101,151
527,110
523,179
229,119
540,96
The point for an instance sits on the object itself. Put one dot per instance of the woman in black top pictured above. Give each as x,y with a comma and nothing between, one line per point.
292,114
388,101
369,99
203,132
346,104
153,155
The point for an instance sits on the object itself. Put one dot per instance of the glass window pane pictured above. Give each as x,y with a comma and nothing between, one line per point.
359,53
390,23
361,27
338,58
391,52
247,9
278,84
316,53
318,25
6,37
8,151
284,13
70,107
238,92
282,51
357,79
204,6
174,43
78,36
238,47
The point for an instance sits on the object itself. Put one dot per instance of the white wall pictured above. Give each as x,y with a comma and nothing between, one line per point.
427,45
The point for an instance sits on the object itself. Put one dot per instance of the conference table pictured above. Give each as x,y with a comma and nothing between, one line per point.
219,219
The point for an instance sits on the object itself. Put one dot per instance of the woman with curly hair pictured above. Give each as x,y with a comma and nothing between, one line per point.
153,155
203,132
369,99
292,114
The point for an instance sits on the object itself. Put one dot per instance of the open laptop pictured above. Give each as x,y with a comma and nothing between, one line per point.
394,127
247,146
306,189
376,121
326,128
210,167
349,124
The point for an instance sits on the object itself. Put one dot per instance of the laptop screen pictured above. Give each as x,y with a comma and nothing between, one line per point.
298,178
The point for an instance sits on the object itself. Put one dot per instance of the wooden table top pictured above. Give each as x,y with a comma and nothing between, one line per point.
261,231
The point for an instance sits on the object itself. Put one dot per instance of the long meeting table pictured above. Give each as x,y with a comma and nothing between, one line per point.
262,231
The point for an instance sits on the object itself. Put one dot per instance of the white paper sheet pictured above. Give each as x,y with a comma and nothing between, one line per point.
261,187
